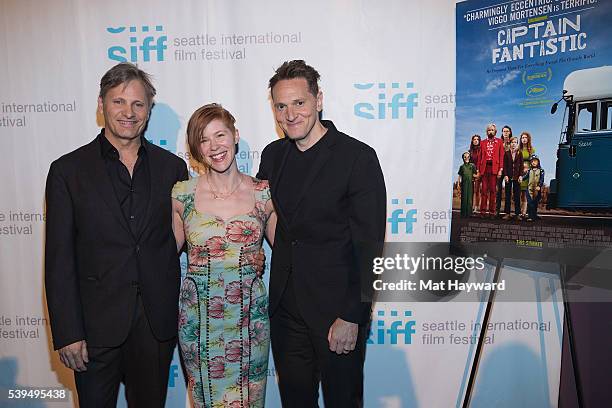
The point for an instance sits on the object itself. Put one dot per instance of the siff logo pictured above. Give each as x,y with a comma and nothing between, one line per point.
402,216
396,101
163,143
405,328
143,49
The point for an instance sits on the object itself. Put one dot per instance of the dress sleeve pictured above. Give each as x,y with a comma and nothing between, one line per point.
262,196
265,193
180,191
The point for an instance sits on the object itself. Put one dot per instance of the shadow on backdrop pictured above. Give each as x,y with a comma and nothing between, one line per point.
512,376
8,381
393,389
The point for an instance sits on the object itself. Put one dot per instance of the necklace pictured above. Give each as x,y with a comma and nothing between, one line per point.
222,196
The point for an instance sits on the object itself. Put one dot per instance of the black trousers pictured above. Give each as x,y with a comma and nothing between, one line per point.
142,363
303,360
498,193
513,191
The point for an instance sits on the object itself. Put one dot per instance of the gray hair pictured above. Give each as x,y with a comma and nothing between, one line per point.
123,73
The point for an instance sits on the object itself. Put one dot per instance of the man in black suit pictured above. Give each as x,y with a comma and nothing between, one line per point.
111,266
329,194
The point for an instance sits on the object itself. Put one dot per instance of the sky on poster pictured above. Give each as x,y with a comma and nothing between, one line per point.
495,92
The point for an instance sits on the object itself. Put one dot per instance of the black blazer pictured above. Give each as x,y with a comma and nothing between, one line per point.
341,208
88,243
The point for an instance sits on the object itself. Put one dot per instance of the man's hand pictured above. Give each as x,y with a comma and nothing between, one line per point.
260,263
342,336
74,356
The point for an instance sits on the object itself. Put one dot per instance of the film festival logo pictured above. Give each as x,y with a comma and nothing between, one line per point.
163,127
402,217
393,101
398,331
145,45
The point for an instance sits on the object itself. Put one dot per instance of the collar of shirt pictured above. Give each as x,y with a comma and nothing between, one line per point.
325,140
110,152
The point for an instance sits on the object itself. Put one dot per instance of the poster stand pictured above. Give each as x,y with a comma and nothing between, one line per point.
483,332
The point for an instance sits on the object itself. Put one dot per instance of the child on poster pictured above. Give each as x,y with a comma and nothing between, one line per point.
535,181
467,172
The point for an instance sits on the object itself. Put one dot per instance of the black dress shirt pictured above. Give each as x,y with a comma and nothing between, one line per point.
133,192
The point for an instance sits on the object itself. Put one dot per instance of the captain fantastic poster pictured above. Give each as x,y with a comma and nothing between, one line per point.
544,182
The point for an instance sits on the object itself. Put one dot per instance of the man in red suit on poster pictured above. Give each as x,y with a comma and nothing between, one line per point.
490,168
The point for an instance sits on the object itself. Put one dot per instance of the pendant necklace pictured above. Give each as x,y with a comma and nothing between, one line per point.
222,196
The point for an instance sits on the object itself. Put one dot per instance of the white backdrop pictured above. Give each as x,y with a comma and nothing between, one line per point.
388,78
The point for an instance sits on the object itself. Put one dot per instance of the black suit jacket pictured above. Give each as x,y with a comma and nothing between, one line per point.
88,243
338,226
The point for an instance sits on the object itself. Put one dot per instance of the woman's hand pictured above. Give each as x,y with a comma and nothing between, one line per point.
260,263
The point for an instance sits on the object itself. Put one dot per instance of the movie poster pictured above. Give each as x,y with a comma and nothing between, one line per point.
522,174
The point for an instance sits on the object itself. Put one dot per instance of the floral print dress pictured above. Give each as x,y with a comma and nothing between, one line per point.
223,321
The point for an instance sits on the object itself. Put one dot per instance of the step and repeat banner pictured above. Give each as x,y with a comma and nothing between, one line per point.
387,77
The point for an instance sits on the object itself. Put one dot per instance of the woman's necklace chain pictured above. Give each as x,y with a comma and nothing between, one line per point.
222,196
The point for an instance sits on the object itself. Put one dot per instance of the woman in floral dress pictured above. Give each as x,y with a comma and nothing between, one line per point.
222,215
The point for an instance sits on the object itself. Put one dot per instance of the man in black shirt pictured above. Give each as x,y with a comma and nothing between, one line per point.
329,194
111,267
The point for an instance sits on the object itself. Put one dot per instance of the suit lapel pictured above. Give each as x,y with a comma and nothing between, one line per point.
155,169
102,181
278,168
